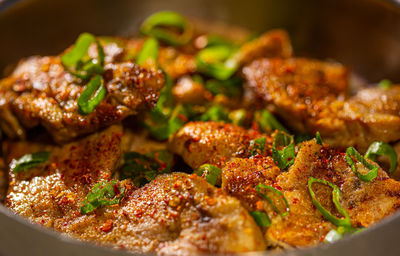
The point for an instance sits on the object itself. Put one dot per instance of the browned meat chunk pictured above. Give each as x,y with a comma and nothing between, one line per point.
310,96
241,176
40,91
305,225
175,214
52,192
213,143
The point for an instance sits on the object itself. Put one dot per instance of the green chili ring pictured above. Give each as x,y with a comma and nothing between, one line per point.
371,175
277,192
168,18
335,198
92,95
380,148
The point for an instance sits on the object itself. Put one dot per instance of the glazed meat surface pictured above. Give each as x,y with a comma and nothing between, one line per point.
213,143
305,225
311,96
40,91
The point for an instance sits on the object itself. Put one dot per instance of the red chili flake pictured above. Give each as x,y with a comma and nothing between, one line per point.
295,200
182,117
107,227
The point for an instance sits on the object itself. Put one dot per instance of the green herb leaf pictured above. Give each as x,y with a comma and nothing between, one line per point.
277,192
385,84
145,168
92,95
379,148
161,25
210,172
77,61
149,52
257,146
267,122
28,161
318,138
102,194
261,218
345,222
371,175
164,127
283,158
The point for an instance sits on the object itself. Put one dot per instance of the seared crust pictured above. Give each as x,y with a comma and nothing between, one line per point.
213,143
174,214
52,192
366,202
311,95
40,91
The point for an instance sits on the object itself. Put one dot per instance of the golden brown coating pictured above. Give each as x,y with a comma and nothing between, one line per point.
174,214
366,202
213,143
272,44
310,96
40,91
52,192
240,176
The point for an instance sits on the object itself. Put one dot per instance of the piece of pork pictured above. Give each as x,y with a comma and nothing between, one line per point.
174,214
40,91
366,202
213,143
311,96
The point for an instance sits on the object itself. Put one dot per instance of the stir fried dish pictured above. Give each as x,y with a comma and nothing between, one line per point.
189,139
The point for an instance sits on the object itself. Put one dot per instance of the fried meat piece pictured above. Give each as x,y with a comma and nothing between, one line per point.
52,192
311,96
213,143
366,202
174,214
40,91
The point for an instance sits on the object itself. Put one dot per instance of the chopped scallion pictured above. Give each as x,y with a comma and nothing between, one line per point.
267,122
161,25
283,158
257,146
28,161
210,172
92,95
385,84
379,148
149,53
261,218
371,175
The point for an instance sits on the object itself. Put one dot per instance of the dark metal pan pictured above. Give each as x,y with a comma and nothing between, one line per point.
363,34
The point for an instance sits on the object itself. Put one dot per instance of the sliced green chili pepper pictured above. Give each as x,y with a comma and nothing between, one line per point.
149,52
158,25
77,61
92,95
371,175
210,172
283,158
318,138
261,218
379,148
277,192
214,61
267,122
29,161
345,222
